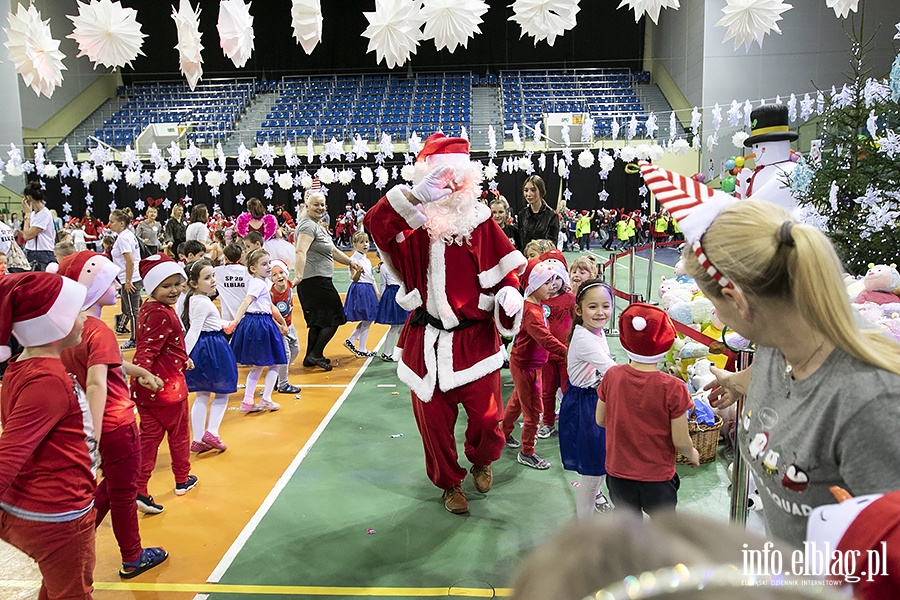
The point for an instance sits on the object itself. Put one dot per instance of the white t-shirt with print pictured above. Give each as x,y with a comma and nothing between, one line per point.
231,283
45,239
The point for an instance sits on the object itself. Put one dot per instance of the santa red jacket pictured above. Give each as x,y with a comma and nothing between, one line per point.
451,338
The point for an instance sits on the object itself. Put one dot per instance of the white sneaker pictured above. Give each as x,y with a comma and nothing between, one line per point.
269,405
545,431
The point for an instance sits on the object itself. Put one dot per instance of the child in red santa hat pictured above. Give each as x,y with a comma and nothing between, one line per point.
48,451
97,365
643,411
533,345
161,350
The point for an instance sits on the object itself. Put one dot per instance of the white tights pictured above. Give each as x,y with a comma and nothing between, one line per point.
253,378
390,340
360,335
216,412
586,496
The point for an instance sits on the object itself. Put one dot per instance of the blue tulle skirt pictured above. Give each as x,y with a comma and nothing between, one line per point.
582,443
389,312
215,369
257,341
361,303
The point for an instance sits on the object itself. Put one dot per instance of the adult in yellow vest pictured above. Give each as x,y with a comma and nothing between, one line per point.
583,230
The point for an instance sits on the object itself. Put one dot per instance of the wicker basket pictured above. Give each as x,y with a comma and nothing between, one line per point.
706,440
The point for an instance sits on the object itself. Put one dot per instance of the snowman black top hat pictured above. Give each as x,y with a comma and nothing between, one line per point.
769,123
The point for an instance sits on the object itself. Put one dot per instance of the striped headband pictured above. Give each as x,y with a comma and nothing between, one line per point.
693,205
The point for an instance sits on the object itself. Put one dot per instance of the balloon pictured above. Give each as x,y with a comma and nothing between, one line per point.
739,161
730,164
701,177
795,156
728,184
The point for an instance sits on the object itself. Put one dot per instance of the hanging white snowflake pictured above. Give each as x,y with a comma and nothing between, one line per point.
107,33
50,171
132,177
393,31
360,148
240,177
265,154
842,8
306,19
673,126
451,22
490,171
386,146
545,19
614,129
716,118
650,126
33,50
650,8
184,176
285,181
334,149
262,177
306,181
235,27
679,146
325,175
290,157
747,21
162,177
585,159
110,172
187,24
345,176
174,154
366,175
696,118
606,162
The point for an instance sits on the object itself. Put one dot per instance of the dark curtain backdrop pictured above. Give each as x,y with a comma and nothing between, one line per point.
604,37
585,185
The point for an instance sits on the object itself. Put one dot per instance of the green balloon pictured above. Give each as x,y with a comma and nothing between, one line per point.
728,184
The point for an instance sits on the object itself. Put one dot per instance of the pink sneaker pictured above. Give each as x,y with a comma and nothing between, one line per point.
269,405
200,447
213,441
250,407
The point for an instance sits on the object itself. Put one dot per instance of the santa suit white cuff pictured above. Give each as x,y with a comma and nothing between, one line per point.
500,314
411,213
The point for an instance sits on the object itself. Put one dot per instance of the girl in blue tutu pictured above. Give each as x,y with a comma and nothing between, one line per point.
361,303
214,375
389,312
582,443
257,339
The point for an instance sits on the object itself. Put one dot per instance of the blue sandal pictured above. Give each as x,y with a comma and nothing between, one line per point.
149,558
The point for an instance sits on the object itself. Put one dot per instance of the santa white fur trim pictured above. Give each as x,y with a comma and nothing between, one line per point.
486,302
517,320
406,209
515,260
437,303
423,387
452,159
408,301
397,354
57,321
450,379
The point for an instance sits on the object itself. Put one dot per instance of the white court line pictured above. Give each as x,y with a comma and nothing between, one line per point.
251,526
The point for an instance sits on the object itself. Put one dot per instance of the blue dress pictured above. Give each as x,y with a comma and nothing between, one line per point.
582,443
361,303
257,341
389,312
215,369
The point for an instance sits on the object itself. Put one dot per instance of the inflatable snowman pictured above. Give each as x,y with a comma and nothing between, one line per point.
770,141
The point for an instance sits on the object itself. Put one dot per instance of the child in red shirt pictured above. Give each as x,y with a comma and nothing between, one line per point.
534,343
553,374
161,350
643,410
98,366
281,300
48,452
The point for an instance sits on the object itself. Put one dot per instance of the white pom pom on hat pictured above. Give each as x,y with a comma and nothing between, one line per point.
639,323
646,332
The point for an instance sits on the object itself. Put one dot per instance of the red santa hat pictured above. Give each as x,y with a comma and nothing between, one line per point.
693,205
156,268
554,254
92,270
646,332
440,150
538,272
38,308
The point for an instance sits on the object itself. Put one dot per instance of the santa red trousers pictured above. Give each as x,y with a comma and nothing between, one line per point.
525,400
482,401
157,422
554,375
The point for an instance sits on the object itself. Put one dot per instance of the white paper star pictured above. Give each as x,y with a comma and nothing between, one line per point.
240,198
235,31
842,8
33,50
107,33
112,187
112,206
270,208
749,20
306,19
166,204
734,114
334,149
545,19
602,195
67,208
65,190
393,30
649,7
643,190
492,185
139,204
267,193
452,22
298,195
351,195
187,23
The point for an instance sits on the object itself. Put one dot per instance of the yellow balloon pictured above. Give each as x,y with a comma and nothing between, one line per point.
739,161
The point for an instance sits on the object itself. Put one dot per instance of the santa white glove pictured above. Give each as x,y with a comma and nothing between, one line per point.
510,300
435,186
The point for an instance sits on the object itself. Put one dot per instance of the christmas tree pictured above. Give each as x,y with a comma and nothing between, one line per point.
851,189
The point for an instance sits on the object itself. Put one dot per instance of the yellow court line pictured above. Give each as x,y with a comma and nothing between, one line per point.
284,590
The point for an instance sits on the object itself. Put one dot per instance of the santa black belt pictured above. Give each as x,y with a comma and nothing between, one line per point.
421,318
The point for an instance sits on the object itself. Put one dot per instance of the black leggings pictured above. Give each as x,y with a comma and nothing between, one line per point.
317,339
651,497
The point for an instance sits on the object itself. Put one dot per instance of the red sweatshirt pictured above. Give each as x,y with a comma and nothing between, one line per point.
160,350
534,342
562,307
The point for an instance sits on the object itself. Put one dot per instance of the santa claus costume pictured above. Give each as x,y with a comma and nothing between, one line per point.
450,348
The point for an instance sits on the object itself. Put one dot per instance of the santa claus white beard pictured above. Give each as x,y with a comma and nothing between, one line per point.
452,220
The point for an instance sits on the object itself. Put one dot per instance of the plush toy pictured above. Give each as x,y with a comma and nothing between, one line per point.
675,296
854,285
882,285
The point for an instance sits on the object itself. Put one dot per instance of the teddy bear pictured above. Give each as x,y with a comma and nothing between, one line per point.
882,285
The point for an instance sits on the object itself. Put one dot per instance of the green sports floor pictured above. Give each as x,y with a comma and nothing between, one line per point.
358,517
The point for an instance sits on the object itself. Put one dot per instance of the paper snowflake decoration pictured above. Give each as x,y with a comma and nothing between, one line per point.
67,208
351,195
235,31
33,51
747,21
107,33
334,149
650,8
262,177
842,8
166,204
393,31
452,22
265,154
139,204
187,23
297,195
184,176
268,193
545,19
162,177
285,181
50,171
306,19
65,190
240,198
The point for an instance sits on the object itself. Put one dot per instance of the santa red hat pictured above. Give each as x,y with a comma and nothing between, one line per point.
554,254
440,150
156,268
38,308
646,332
538,272
693,205
92,270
